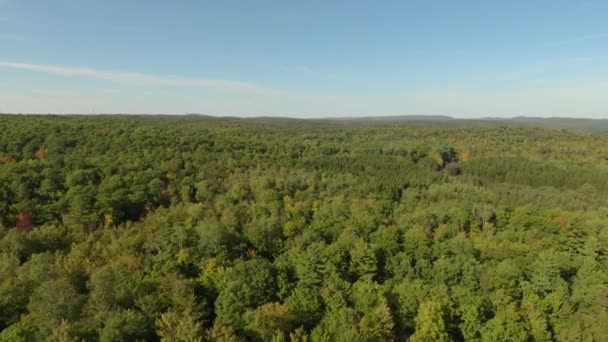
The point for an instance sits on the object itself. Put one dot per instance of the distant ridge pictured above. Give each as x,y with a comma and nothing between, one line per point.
199,114
585,124
398,118
580,124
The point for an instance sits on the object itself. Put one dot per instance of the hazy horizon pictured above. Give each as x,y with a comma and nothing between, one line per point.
320,117
305,60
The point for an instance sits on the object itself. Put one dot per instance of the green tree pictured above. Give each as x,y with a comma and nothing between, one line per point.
179,327
430,323
251,283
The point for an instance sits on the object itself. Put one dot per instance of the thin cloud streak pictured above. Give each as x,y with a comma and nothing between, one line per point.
12,37
576,40
127,28
136,78
299,69
545,67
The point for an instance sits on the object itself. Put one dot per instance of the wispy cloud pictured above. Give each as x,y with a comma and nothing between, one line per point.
576,40
52,92
547,68
11,36
299,71
129,28
136,78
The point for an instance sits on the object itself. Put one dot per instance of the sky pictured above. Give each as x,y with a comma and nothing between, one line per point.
305,58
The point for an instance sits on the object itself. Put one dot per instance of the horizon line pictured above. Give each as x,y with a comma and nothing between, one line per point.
416,116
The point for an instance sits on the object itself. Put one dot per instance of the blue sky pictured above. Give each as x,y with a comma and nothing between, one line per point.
305,58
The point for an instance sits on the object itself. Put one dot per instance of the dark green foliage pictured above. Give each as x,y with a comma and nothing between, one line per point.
189,228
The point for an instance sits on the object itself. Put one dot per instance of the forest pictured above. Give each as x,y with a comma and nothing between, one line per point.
194,228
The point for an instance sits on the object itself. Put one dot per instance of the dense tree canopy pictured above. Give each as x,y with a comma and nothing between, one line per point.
201,229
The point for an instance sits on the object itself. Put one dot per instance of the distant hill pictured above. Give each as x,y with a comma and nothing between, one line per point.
580,124
398,118
590,125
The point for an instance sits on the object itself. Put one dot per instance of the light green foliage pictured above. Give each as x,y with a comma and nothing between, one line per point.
53,302
377,324
179,327
127,325
306,305
506,325
270,320
62,333
430,323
